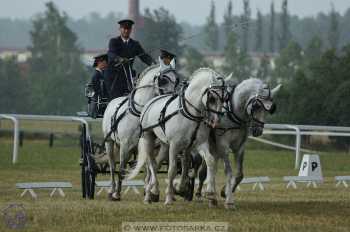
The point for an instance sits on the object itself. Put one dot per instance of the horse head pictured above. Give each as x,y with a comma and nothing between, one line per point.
253,99
167,80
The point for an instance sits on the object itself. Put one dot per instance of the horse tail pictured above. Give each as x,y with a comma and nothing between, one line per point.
141,159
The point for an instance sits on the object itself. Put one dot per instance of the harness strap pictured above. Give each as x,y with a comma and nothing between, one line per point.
183,107
115,121
132,108
194,135
162,118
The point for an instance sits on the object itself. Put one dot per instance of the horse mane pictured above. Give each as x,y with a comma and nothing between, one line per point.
144,72
215,74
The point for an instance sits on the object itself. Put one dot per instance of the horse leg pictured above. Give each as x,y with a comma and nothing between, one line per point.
182,187
239,157
229,178
124,157
157,163
146,146
111,158
202,175
211,162
170,191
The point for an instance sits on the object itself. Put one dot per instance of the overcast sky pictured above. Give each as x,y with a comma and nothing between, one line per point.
193,11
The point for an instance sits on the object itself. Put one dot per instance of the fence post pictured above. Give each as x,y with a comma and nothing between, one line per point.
51,138
21,138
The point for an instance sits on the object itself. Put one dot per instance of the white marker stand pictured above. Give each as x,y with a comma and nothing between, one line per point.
311,166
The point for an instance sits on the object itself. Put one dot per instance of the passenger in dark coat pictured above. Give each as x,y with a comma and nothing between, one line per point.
97,84
122,50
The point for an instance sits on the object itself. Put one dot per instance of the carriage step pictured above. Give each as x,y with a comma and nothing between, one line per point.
130,184
55,186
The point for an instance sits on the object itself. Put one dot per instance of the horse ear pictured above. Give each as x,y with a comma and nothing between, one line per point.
275,90
229,77
173,63
161,64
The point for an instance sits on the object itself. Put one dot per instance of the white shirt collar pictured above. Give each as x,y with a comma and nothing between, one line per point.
125,40
99,70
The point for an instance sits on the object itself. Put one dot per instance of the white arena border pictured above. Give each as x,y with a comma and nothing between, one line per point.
274,129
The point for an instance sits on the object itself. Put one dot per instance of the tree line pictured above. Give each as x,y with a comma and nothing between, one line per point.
314,75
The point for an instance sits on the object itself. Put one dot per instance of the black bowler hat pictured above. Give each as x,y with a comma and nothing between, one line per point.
165,54
126,23
100,58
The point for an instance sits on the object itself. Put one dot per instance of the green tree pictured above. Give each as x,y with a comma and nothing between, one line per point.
236,61
162,31
194,60
272,28
333,33
57,73
211,29
285,31
13,88
264,68
259,32
289,62
228,19
246,18
314,48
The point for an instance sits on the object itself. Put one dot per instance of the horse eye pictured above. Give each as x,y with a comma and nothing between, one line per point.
211,100
256,106
162,82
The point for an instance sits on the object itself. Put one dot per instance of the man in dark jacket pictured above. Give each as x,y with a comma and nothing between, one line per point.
122,51
97,84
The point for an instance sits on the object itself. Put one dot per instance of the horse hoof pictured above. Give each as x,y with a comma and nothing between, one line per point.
210,196
116,196
213,203
230,206
154,197
113,197
169,200
199,198
147,201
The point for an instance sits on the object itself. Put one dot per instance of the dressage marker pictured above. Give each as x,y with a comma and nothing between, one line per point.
258,182
342,180
310,180
131,184
56,186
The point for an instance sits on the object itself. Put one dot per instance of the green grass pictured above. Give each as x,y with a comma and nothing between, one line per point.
276,209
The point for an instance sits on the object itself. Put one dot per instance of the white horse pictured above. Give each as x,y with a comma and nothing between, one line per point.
121,123
179,123
245,114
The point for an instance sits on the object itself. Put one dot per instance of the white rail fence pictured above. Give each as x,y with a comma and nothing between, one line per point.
274,129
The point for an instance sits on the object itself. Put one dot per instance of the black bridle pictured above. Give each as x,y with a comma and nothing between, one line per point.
256,103
162,79
159,80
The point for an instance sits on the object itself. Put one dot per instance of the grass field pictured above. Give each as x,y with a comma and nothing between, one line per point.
323,209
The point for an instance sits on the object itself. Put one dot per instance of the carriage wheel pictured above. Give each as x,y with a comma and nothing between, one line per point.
87,172
190,187
89,183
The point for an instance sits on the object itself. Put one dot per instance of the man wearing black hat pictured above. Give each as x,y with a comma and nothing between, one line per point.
121,53
97,83
167,56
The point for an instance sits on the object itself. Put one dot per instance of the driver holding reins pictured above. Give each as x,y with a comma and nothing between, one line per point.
122,50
